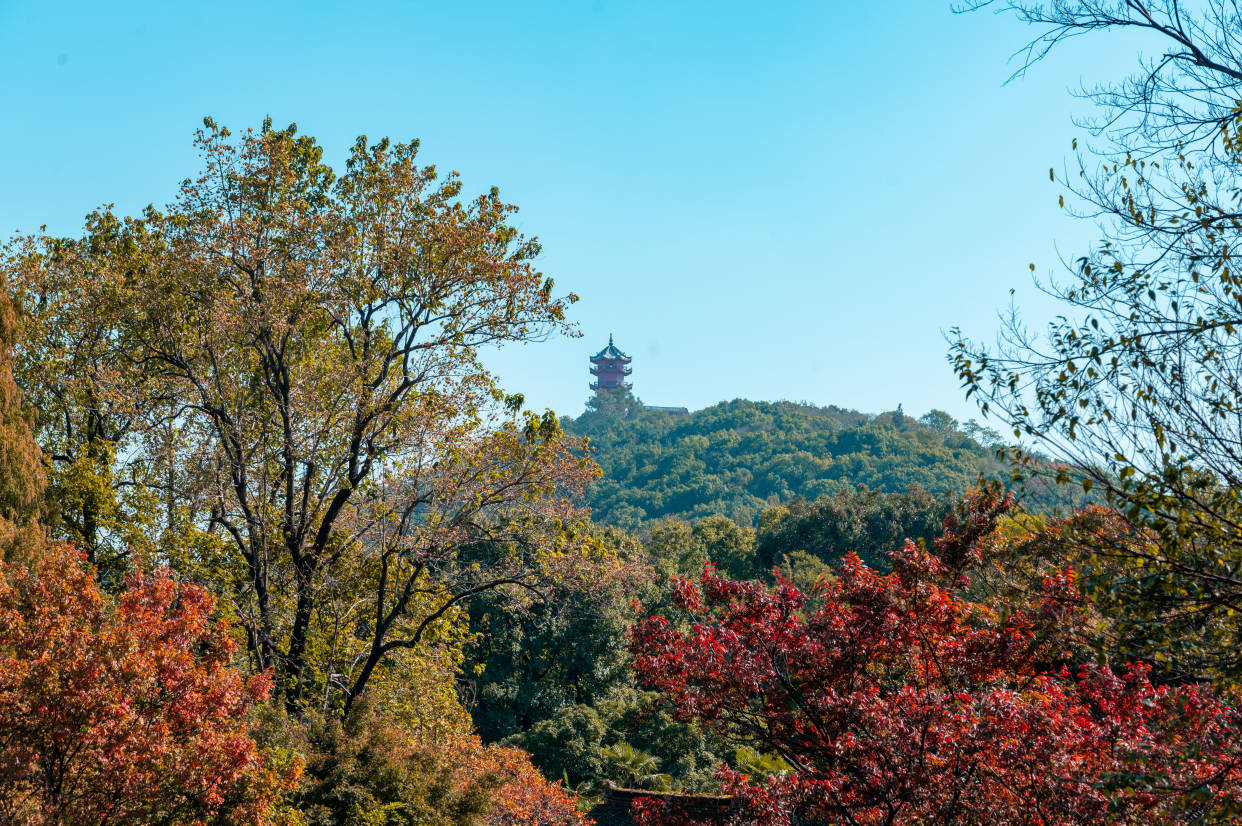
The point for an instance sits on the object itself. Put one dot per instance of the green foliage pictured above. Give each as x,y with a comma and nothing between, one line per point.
680,549
364,771
569,744
87,507
554,678
759,765
863,521
531,663
738,458
587,746
805,571
524,664
687,751
1134,383
635,769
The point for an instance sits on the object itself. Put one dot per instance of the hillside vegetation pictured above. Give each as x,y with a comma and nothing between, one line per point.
738,458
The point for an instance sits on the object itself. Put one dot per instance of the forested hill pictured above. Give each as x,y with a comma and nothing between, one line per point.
737,458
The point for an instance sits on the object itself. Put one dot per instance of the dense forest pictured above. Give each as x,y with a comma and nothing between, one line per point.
738,458
555,678
276,549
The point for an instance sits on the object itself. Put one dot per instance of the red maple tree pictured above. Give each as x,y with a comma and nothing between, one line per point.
125,711
898,700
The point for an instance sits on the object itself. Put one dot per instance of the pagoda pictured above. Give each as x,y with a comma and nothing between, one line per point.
610,366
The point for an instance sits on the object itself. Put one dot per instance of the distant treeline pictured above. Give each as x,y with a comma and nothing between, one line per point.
738,458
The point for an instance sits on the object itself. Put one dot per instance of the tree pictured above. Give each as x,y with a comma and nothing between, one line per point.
862,521
364,770
525,664
635,769
91,398
125,713
1027,548
21,466
678,548
299,383
569,744
939,421
525,797
554,678
899,701
1136,386
21,483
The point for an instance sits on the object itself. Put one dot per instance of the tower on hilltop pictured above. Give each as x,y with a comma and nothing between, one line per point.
610,366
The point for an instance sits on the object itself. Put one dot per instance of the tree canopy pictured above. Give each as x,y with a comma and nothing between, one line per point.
127,711
1135,385
275,382
738,458
899,700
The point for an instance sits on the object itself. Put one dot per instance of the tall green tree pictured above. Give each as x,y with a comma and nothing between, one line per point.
861,521
524,664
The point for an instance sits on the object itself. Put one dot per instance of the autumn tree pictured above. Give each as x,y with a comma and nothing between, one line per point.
91,399
21,467
283,367
22,480
1135,386
1026,548
364,769
127,712
901,701
524,797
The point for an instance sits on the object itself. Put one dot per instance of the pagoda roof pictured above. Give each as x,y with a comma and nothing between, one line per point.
610,352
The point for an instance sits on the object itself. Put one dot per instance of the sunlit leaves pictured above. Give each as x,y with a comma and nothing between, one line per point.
1136,386
902,700
127,712
276,381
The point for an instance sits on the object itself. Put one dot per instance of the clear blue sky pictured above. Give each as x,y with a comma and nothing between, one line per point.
760,200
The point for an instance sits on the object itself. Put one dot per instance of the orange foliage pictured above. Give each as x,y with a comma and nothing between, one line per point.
124,712
522,796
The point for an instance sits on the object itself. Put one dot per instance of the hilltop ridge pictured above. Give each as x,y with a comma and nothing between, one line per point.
740,457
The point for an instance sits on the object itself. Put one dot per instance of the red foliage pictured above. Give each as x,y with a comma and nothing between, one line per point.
973,521
125,713
901,702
